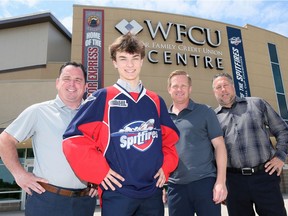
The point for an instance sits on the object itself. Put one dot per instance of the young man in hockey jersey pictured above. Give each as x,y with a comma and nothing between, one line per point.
124,139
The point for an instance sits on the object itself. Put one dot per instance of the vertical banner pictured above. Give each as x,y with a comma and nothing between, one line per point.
93,40
237,57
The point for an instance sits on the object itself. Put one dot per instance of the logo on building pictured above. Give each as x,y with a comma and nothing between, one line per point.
235,40
190,41
124,27
93,21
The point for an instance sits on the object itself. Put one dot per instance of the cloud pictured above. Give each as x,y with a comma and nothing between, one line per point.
67,22
266,14
8,8
260,13
29,3
280,28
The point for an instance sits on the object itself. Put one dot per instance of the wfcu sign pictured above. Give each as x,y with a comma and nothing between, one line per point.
169,43
162,52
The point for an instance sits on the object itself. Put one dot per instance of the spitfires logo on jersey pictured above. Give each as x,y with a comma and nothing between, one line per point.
139,135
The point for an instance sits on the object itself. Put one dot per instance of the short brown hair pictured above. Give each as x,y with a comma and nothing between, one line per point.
179,72
127,43
75,64
228,76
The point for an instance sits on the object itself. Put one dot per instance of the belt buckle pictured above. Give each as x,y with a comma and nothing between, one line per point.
247,171
76,193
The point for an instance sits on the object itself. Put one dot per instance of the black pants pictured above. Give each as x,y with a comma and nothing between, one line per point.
260,191
50,204
116,204
195,197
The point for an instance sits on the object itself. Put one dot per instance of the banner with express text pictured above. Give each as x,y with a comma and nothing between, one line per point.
93,41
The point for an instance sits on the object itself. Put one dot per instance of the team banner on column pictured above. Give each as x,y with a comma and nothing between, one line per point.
93,41
238,62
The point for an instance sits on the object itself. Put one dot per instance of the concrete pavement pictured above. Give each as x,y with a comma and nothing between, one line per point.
98,211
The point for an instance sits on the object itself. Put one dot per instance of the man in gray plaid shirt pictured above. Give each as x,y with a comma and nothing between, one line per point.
254,164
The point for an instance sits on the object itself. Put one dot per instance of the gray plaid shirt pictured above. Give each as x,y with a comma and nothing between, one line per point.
247,127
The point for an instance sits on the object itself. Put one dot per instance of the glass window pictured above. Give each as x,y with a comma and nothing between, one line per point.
10,196
273,53
7,180
21,155
9,190
282,106
278,81
7,183
277,78
30,153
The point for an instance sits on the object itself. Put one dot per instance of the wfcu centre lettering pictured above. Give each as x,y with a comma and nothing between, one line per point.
184,54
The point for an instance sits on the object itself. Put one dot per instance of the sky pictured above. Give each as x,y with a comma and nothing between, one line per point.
267,14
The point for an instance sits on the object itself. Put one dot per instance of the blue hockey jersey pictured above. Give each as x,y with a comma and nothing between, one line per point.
133,137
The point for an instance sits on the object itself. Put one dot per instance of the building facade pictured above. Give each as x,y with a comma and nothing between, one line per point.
255,57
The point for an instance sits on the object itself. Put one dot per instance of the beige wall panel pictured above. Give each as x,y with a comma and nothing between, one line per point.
53,69
77,27
76,54
59,47
77,11
33,36
108,30
77,31
25,93
253,45
115,13
266,94
50,72
110,79
26,87
258,69
261,82
77,39
110,75
257,58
